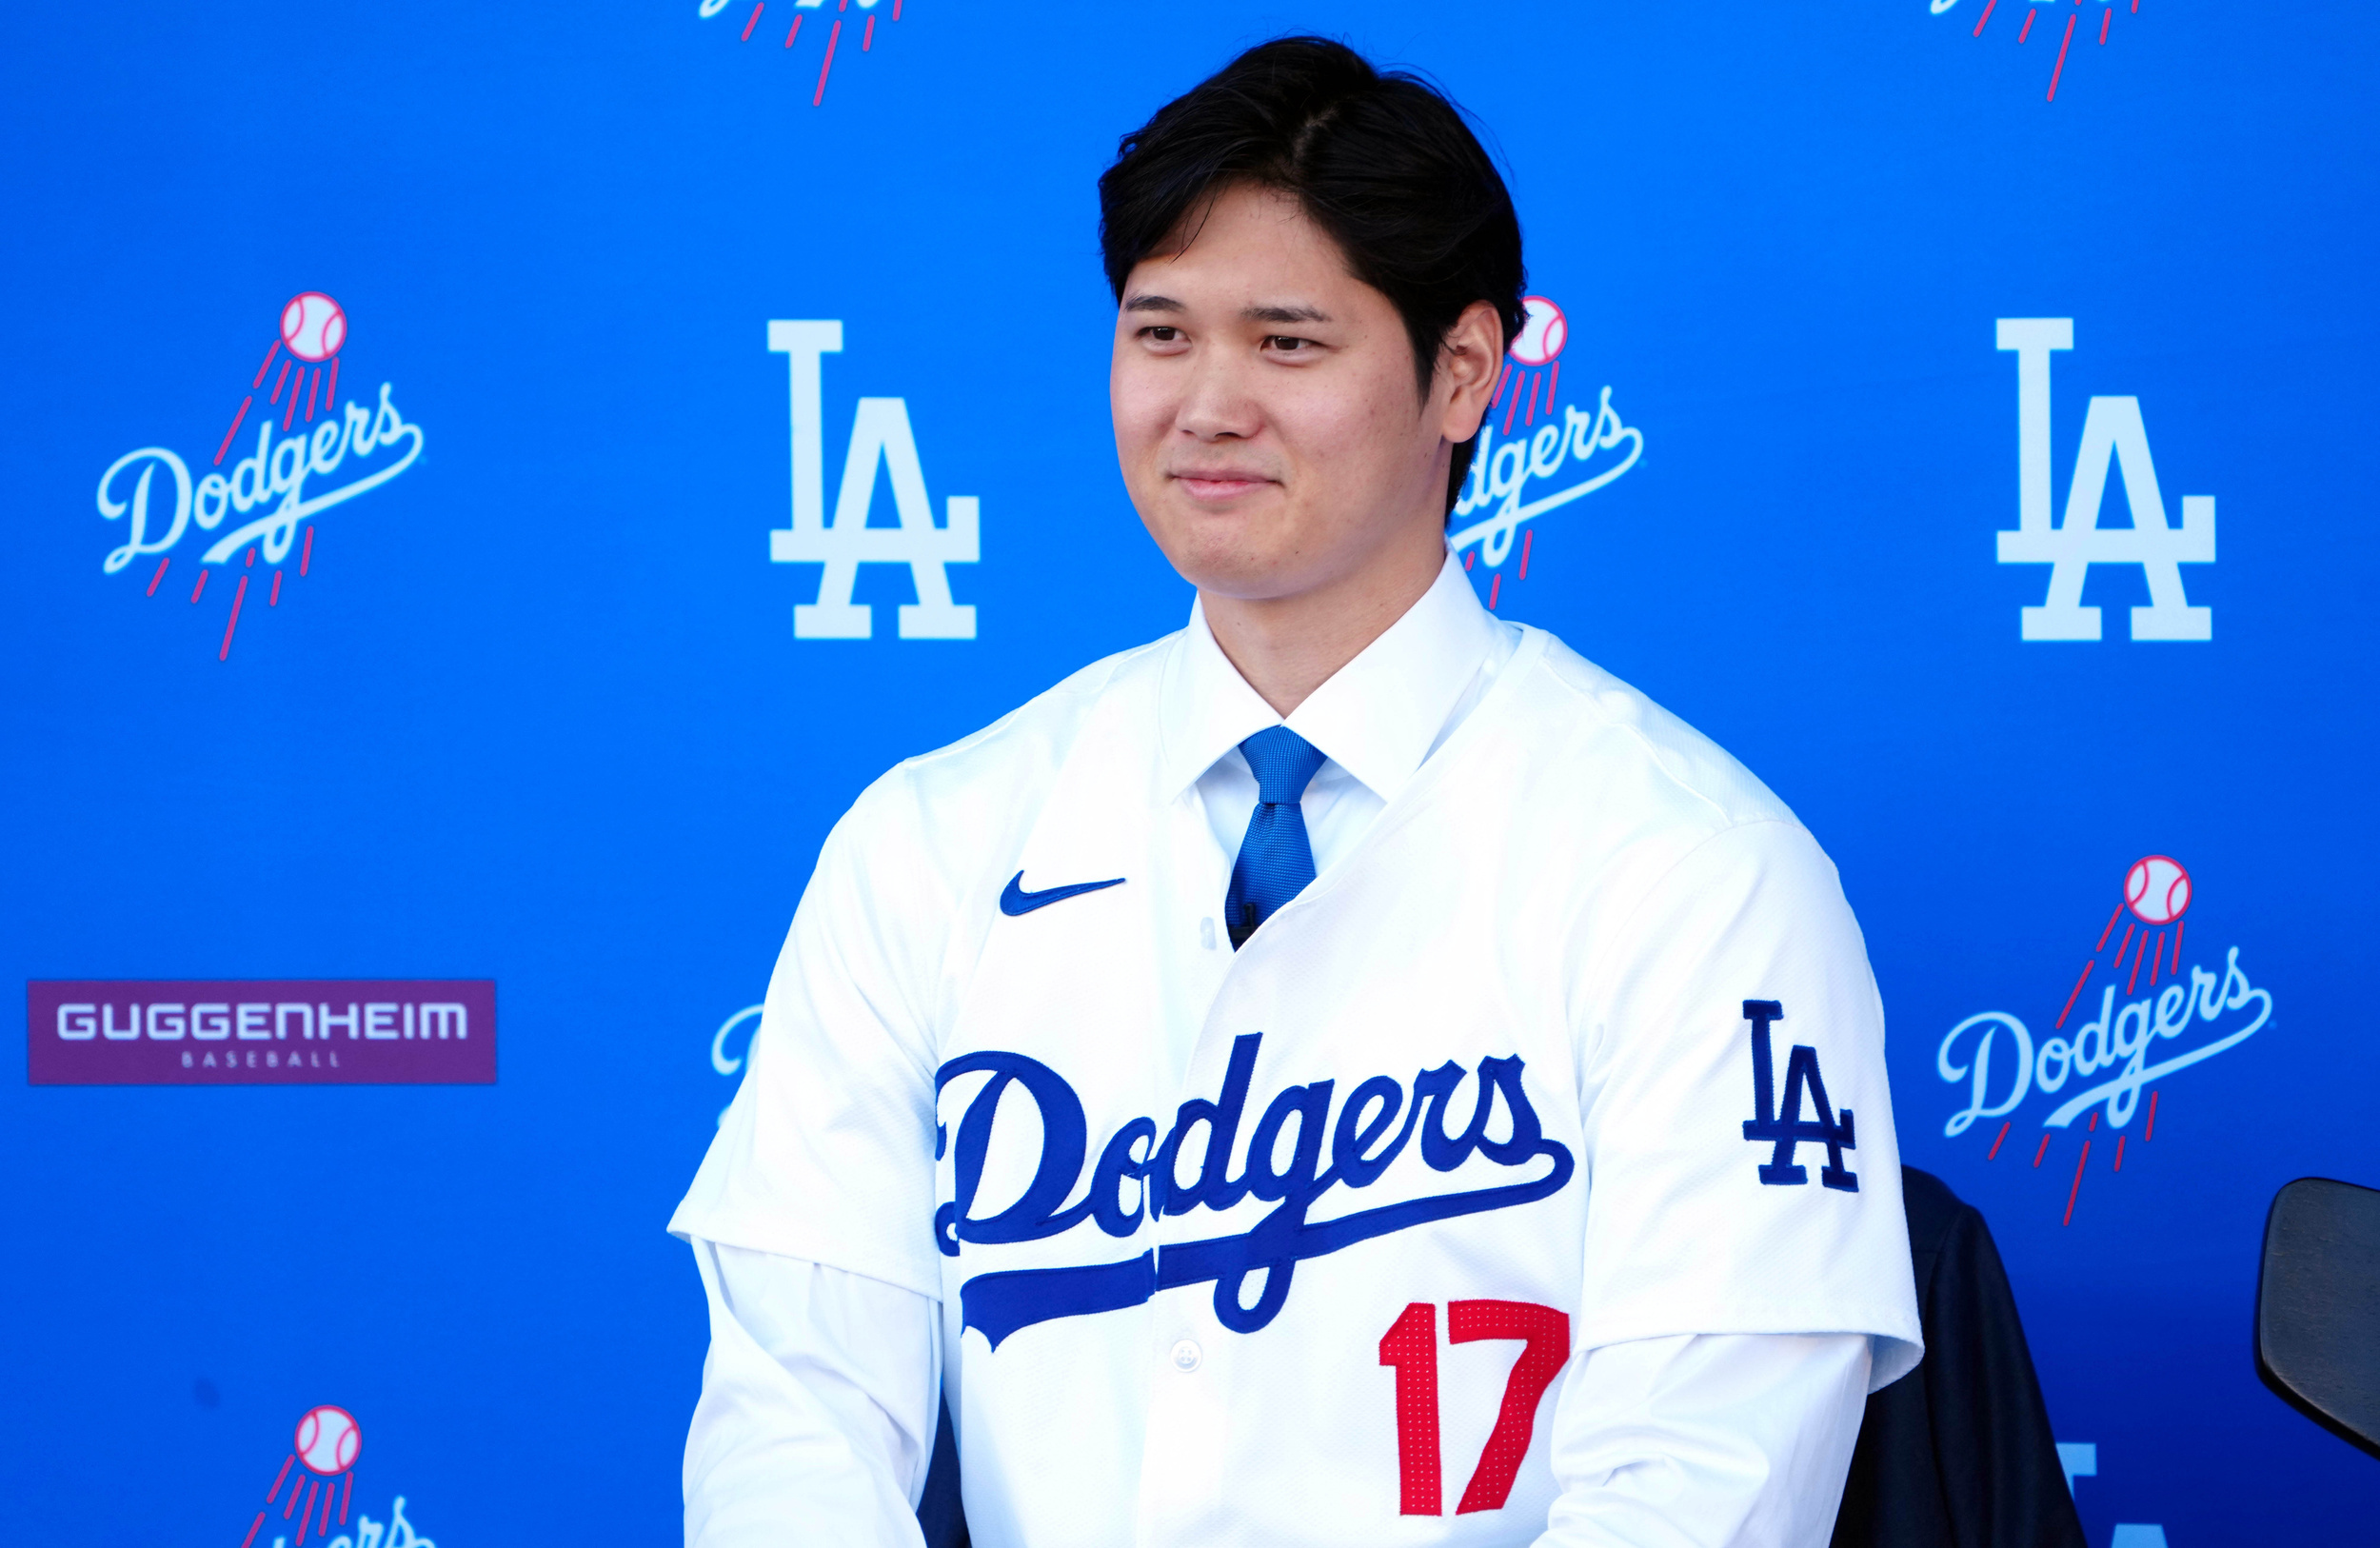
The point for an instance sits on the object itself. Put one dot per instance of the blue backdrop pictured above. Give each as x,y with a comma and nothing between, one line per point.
534,708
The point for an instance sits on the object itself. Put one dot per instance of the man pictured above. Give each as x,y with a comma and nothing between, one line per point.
1350,1072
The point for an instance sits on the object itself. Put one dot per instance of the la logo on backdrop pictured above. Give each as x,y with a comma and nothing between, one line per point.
292,474
1581,450
2126,1028
879,436
2115,439
314,1491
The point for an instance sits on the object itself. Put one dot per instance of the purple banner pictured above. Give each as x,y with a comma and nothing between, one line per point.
259,1032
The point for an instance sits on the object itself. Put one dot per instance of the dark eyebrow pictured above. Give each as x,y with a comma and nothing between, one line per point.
1154,304
1285,314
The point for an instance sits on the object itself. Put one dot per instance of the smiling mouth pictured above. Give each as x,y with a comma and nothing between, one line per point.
1219,485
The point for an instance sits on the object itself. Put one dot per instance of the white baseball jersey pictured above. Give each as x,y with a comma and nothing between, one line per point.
1574,1044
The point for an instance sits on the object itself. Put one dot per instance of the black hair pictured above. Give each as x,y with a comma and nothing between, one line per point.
1382,162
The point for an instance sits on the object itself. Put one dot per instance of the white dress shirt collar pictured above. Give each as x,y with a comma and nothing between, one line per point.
1378,717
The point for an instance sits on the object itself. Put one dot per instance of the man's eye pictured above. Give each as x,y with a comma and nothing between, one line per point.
1288,343
1161,335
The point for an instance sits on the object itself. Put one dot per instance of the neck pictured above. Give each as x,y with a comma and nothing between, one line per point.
1288,646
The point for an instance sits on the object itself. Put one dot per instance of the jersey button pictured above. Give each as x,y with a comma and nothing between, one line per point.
1186,1355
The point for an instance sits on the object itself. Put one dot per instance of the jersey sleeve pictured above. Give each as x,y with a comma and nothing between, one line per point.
826,1154
1744,1177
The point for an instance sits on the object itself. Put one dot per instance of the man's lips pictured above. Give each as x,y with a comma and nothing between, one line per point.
1219,484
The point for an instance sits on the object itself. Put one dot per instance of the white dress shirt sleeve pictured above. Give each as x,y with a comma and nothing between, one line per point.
819,1398
1707,1441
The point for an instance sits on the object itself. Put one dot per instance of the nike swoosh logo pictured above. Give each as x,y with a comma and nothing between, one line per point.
1014,900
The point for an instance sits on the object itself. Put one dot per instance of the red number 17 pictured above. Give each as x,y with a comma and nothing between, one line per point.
1411,1346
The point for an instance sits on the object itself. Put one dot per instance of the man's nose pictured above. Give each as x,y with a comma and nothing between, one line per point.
1218,402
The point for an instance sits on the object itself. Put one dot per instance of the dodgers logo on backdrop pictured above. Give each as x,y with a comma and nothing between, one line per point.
318,1476
2133,1037
2094,22
880,435
279,487
1579,450
799,12
737,1031
2114,439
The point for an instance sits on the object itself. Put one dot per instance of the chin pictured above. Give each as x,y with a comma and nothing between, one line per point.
1252,574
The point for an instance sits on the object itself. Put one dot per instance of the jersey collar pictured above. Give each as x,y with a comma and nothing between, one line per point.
1378,717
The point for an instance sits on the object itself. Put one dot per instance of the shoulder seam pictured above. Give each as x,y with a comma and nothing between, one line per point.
1651,751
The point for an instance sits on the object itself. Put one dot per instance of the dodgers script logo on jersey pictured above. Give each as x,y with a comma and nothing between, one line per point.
2119,1050
880,434
272,478
1585,449
1298,1119
2113,437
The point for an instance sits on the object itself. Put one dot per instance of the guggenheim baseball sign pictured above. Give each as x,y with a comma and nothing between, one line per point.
261,1032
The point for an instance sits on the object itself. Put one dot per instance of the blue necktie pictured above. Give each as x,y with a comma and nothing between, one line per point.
1276,861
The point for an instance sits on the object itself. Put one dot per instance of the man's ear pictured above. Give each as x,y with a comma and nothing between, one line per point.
1468,365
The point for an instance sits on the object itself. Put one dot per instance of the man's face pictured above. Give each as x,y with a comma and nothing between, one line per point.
1267,419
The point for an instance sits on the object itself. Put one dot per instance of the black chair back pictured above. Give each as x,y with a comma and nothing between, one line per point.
2318,1307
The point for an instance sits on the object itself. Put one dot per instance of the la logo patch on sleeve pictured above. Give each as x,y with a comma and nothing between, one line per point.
1788,1129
